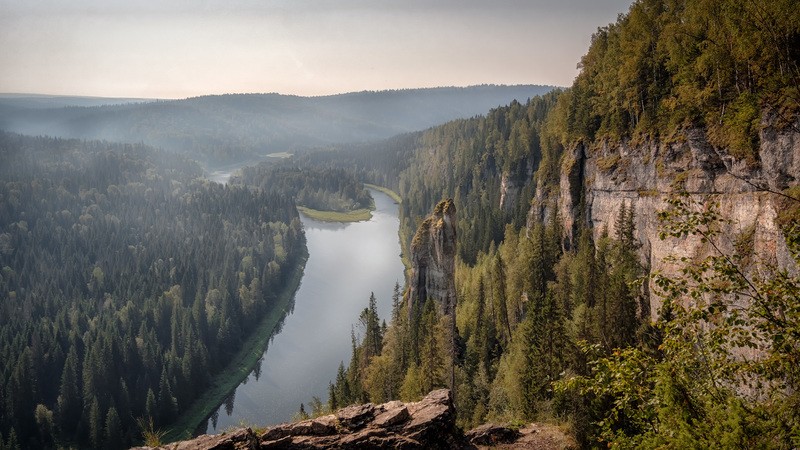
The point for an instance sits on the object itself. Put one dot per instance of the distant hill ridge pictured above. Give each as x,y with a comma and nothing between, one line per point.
236,127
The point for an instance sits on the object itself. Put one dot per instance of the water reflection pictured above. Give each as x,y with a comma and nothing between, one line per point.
257,370
346,263
229,403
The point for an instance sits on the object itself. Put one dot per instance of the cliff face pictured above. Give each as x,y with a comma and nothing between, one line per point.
433,252
643,176
511,184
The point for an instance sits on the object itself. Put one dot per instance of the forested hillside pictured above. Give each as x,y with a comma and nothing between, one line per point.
485,163
244,127
127,282
325,189
677,138
626,262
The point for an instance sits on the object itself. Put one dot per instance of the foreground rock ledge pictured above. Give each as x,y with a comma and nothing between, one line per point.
428,423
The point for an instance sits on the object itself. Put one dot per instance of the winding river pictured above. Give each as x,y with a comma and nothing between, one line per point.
346,262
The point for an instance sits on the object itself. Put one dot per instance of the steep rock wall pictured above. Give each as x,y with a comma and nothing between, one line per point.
433,252
512,182
645,175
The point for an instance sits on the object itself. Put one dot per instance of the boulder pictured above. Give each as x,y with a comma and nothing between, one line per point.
240,439
426,424
490,434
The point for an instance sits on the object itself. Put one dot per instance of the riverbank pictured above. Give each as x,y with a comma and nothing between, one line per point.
242,364
358,215
394,195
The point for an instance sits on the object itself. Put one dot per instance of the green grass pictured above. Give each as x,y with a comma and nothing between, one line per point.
240,367
395,196
281,155
334,216
358,215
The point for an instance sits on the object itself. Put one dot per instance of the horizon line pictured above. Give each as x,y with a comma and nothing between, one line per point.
122,97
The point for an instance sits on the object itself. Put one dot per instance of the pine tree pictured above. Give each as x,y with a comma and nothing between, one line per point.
344,394
114,439
13,442
333,404
167,403
397,296
96,423
373,338
69,402
499,298
44,420
151,407
433,352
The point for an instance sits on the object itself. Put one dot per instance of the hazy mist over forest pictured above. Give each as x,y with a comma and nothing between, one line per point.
578,220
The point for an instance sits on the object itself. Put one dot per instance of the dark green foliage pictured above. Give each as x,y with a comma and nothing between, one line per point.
468,160
372,342
723,374
113,436
668,64
529,313
118,269
96,423
379,163
321,189
234,128
465,160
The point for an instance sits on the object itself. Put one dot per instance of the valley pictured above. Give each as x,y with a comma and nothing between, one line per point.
616,261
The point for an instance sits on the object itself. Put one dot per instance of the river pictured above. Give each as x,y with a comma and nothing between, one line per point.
346,262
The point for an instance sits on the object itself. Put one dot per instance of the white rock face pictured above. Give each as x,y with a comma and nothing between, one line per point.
645,175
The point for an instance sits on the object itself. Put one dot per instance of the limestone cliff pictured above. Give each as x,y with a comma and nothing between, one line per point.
511,184
645,174
433,252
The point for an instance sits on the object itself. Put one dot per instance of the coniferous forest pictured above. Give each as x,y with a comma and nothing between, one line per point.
326,189
128,281
555,323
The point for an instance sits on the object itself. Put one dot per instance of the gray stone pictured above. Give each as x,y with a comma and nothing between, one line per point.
356,417
491,434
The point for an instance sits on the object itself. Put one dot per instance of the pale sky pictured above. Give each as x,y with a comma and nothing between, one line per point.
182,48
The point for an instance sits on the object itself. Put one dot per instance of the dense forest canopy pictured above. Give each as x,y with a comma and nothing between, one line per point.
320,189
550,330
127,281
669,64
470,160
220,129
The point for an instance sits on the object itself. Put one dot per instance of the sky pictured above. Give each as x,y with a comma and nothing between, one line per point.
183,48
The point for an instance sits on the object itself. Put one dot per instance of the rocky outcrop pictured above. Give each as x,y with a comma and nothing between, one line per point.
426,424
512,183
491,434
433,252
643,176
240,439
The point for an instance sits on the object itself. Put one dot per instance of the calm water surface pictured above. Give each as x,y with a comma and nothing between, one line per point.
346,262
